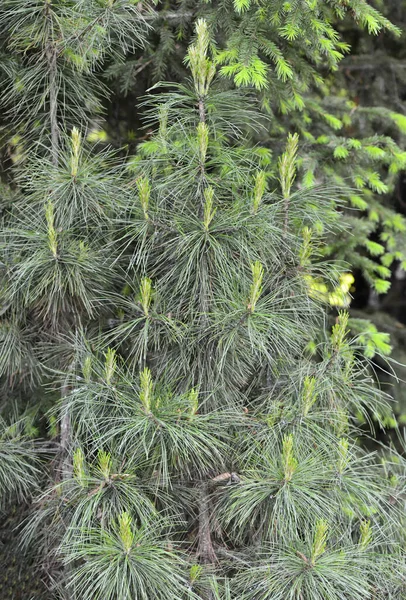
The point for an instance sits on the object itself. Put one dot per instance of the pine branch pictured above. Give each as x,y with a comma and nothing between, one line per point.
51,53
205,549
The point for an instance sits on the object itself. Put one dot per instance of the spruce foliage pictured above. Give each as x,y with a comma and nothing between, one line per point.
207,417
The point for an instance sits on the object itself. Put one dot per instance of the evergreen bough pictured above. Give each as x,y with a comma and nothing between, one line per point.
208,418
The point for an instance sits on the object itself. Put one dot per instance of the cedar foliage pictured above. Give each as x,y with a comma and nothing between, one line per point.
207,418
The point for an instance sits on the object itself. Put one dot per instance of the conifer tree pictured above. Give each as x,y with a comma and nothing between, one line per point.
294,55
54,261
208,419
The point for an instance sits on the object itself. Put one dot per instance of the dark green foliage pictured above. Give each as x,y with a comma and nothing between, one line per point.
56,48
173,305
297,59
19,467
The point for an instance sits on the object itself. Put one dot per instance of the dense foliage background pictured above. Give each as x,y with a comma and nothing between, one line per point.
203,299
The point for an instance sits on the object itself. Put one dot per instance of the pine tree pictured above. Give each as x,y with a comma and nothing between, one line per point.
287,53
208,418
344,96
294,55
